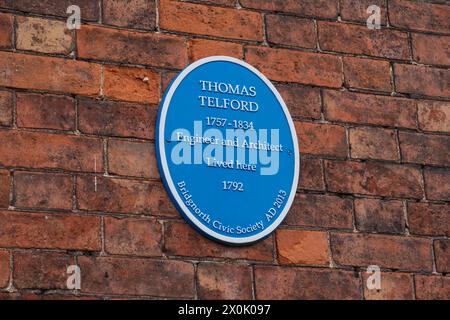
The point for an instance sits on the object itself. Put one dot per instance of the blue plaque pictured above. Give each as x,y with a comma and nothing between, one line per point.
227,150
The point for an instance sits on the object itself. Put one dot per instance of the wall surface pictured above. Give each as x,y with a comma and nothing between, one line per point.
78,178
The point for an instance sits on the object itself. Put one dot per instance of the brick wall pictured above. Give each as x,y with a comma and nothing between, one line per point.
78,177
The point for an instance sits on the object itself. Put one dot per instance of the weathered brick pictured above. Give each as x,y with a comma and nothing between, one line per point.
167,78
394,252
278,283
394,286
311,174
112,118
129,158
43,296
322,139
131,47
52,74
224,281
182,240
437,184
356,10
209,20
442,253
429,219
45,111
45,150
296,66
373,143
431,49
370,109
301,101
434,116
4,268
6,108
291,31
41,270
49,231
367,74
373,215
340,37
202,48
42,190
312,8
229,3
322,211
432,287
42,35
131,84
103,275
421,16
139,237
422,80
139,14
302,247
6,25
123,196
4,188
390,180
425,149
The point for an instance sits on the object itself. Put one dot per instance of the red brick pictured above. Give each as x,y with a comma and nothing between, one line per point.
373,143
434,116
42,190
4,189
419,16
44,296
291,31
209,20
6,108
45,150
422,80
41,270
52,74
167,78
437,184
131,47
123,196
139,14
296,66
45,111
393,252
302,247
6,25
431,49
373,215
362,108
224,281
429,219
322,139
311,174
390,180
340,37
313,210
442,253
103,275
277,283
89,8
301,101
425,149
4,268
356,10
129,158
139,237
229,3
432,287
112,118
182,240
202,48
394,286
367,74
131,84
312,8
50,231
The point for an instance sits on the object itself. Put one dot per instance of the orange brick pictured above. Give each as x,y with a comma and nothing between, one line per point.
201,48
